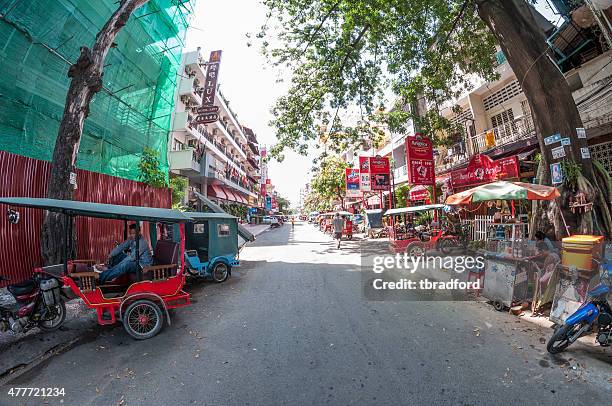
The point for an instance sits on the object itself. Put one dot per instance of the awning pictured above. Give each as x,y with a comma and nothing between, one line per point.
243,199
242,231
230,195
419,192
216,191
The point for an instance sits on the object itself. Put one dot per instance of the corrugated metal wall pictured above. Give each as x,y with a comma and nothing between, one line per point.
20,243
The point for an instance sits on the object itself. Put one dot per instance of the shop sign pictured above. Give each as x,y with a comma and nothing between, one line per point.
268,202
566,141
420,194
482,169
364,182
206,110
419,157
212,75
380,178
419,147
581,132
421,172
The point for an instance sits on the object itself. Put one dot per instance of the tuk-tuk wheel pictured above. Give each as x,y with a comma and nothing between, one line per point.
220,272
143,319
415,249
498,305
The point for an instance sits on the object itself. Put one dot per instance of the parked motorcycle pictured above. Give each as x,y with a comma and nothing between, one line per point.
38,304
594,314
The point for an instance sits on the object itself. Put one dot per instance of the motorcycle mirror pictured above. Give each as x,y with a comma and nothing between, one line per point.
13,216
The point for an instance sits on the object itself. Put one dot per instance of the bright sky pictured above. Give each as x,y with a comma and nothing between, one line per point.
247,80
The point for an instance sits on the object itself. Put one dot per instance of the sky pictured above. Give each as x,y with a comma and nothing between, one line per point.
249,82
246,79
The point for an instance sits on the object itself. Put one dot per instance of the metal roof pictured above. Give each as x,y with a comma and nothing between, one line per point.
203,215
413,209
100,210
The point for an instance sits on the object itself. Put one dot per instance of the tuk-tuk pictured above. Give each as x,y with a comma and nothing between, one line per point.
373,226
139,300
211,245
404,236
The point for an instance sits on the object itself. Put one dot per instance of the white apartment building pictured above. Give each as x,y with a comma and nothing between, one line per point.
221,159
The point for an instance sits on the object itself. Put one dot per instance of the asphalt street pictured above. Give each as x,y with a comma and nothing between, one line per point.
292,326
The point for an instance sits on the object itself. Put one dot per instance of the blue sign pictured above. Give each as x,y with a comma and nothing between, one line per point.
253,210
268,202
552,139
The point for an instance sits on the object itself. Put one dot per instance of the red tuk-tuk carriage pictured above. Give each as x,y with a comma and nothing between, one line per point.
141,300
417,240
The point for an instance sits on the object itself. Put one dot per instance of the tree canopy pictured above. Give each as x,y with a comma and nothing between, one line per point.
328,182
348,55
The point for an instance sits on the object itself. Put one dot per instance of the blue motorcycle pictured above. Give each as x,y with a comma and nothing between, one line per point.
593,315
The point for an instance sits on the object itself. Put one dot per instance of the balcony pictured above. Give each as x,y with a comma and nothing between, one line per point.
521,128
195,63
185,163
234,183
190,88
223,127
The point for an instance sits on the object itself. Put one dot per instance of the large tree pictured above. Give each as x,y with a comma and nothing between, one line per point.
85,81
347,54
329,180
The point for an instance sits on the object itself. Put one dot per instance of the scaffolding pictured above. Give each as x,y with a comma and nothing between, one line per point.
40,39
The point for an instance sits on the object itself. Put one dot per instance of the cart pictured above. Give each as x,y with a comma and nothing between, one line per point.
211,245
139,300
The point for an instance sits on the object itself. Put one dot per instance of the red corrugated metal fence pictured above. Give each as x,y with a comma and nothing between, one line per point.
20,243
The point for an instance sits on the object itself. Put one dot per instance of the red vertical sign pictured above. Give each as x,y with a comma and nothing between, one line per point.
419,157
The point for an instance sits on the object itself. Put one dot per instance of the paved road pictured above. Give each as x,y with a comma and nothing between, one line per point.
292,327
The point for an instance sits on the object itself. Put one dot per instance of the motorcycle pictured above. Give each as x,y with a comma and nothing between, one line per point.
38,304
594,314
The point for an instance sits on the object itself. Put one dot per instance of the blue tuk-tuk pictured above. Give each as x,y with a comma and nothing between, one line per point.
211,245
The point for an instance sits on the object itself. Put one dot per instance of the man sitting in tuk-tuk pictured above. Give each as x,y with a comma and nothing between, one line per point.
122,259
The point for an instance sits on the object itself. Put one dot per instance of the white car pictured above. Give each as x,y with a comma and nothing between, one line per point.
270,220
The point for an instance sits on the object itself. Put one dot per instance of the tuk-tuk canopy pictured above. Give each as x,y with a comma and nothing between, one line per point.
203,215
98,210
413,209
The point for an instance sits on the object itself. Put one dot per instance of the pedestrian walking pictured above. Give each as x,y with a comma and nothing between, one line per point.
338,225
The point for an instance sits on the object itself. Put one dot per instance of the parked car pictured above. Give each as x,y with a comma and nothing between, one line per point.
270,220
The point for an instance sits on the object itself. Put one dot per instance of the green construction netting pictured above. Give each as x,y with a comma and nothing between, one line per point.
39,39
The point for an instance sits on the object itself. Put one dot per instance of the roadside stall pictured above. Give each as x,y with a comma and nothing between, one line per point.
509,275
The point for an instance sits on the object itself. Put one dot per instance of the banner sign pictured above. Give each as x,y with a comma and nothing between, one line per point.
482,169
352,177
419,158
364,174
419,147
364,182
212,74
268,202
421,194
364,164
380,178
421,172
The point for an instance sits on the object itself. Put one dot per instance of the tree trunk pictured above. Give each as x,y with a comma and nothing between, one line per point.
86,81
550,99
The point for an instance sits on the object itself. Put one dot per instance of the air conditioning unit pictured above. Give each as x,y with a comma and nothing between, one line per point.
189,72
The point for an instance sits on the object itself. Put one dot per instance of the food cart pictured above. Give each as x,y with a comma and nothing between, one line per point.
510,276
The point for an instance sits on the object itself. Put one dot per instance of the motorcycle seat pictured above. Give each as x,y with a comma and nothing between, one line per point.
22,288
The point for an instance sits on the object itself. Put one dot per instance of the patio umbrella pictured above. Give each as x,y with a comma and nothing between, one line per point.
503,190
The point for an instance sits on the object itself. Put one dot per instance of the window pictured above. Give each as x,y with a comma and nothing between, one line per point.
503,123
223,230
502,95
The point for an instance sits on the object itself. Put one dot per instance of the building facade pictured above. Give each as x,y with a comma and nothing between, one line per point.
221,159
